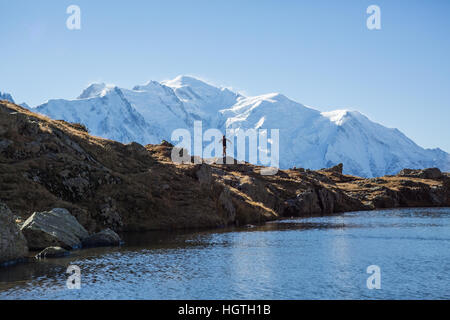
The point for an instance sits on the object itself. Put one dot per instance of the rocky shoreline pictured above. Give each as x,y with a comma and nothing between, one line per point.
50,234
52,171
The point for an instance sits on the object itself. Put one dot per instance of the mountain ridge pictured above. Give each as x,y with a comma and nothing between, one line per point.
308,138
48,164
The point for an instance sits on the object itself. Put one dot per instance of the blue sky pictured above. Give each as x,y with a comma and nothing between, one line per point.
319,53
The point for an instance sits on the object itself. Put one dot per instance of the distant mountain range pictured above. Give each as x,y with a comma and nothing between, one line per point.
308,138
8,97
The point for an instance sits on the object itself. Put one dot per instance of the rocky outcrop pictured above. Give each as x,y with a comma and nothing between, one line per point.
54,228
403,190
204,174
105,184
386,198
166,143
430,173
226,203
13,246
337,168
321,201
105,238
306,203
52,252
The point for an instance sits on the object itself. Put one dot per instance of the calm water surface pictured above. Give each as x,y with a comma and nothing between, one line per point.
313,258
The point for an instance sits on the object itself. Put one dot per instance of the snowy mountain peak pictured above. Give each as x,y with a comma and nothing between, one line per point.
339,117
96,90
309,138
275,97
200,99
183,81
6,96
150,85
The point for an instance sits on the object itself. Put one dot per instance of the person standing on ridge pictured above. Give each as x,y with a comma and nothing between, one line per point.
224,145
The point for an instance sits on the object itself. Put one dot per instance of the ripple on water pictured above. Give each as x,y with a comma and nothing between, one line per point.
312,258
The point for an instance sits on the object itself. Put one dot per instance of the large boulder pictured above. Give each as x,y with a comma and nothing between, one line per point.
105,238
429,173
321,201
337,168
306,203
432,173
13,245
55,228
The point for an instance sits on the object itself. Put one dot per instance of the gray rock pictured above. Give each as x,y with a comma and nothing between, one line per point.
337,168
105,238
406,172
226,203
55,228
312,202
13,245
166,144
52,252
305,203
4,144
204,174
110,214
430,173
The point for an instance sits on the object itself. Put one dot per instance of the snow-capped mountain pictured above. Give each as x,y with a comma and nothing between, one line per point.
308,138
106,112
6,96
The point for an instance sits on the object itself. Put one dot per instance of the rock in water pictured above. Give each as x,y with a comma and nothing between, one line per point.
55,228
105,238
13,245
52,252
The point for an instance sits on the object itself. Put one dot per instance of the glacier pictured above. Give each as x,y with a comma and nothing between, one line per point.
149,113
